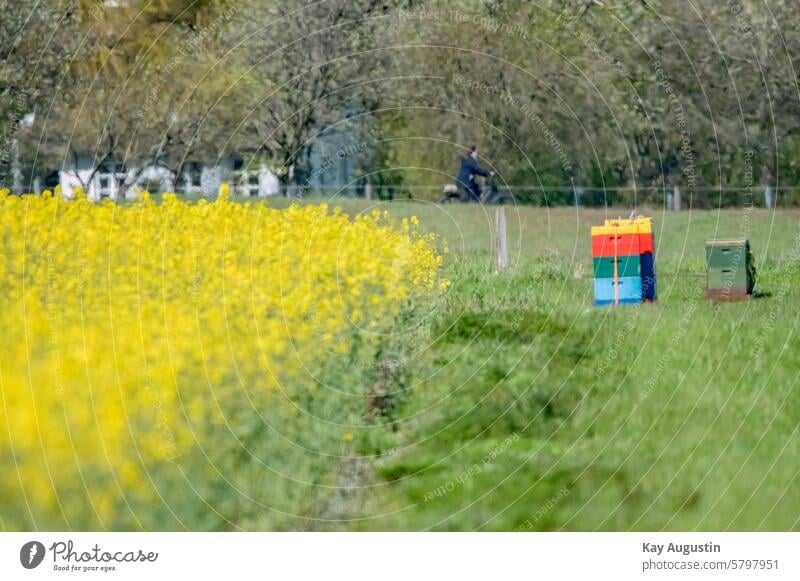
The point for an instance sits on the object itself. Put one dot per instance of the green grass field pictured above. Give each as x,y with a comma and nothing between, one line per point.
516,405
510,403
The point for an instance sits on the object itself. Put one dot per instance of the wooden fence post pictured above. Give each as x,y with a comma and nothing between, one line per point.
501,233
368,191
676,199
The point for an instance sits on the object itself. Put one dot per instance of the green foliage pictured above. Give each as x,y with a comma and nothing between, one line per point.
603,93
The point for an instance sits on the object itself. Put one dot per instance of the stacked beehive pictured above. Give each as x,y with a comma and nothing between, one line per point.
624,265
731,269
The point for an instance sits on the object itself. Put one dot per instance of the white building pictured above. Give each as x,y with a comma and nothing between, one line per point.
114,181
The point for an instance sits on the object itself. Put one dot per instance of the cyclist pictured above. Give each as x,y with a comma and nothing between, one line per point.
467,173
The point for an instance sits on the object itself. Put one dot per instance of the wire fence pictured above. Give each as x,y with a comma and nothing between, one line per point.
669,197
672,198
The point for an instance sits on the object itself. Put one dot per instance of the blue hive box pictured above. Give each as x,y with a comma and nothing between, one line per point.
630,290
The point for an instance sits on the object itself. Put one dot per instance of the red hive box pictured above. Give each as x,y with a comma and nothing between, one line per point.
627,244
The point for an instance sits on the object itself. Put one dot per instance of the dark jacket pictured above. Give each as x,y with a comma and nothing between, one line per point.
466,174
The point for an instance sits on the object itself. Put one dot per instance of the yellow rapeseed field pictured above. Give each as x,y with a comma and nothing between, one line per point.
132,333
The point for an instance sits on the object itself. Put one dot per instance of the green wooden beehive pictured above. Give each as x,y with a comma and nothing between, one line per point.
731,270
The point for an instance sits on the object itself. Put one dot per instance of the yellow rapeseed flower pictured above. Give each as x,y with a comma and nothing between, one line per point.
130,330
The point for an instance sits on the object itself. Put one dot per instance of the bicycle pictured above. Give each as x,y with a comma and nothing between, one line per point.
493,195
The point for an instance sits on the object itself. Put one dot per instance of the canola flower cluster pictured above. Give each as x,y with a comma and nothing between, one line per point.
129,330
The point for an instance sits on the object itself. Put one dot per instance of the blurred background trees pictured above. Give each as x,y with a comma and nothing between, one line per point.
599,93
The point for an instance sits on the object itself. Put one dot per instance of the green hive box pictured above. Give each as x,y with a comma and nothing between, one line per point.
627,266
728,278
731,270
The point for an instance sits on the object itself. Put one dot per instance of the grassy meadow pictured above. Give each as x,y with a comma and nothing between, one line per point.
522,407
226,367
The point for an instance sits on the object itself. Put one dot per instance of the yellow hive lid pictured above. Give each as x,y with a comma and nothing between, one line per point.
644,225
609,230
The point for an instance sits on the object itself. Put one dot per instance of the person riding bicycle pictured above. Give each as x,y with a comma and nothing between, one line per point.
467,173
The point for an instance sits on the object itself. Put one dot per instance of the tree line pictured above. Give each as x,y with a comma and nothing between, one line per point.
600,93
